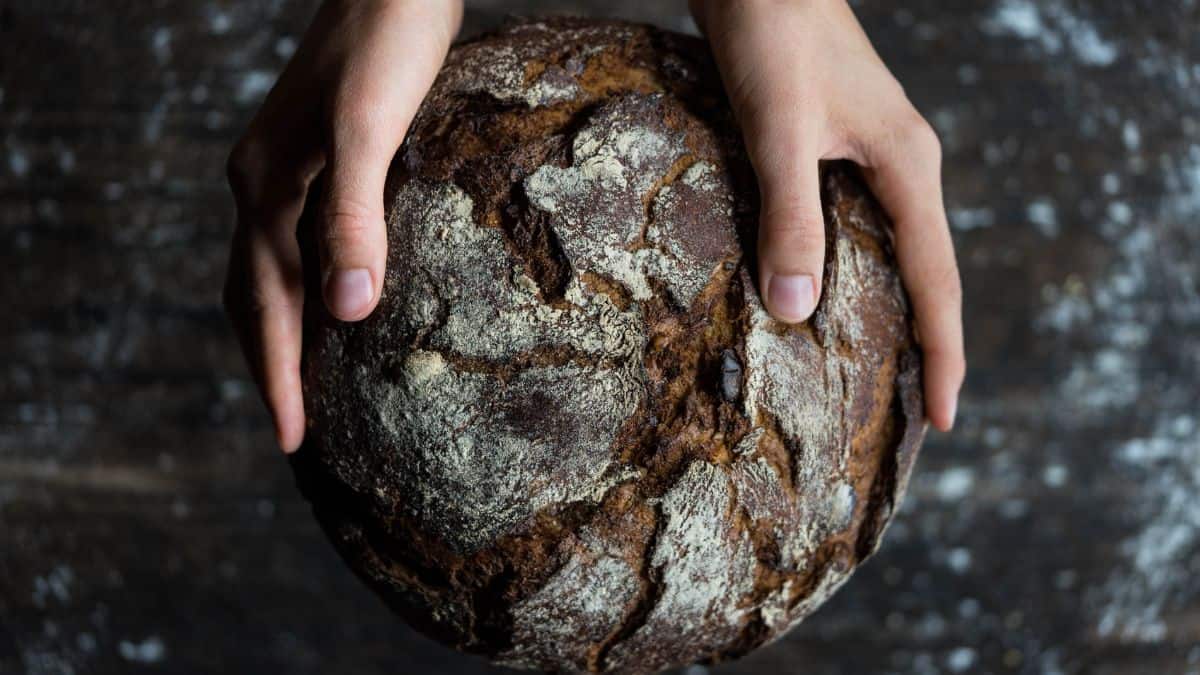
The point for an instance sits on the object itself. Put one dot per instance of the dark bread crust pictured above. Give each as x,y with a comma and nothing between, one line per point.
569,437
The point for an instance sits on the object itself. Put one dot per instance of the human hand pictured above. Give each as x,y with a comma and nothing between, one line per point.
806,85
342,106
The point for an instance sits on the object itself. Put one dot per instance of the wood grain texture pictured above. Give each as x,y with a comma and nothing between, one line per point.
146,523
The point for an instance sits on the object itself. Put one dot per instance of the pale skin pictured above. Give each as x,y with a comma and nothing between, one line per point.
805,84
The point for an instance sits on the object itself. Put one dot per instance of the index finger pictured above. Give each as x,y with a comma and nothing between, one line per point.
906,177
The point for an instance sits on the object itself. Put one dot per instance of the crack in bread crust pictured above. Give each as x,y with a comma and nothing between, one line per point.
570,437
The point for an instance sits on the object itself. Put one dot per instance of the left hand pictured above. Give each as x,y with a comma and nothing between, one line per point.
341,106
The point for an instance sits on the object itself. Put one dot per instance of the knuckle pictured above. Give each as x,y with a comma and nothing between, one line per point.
949,287
958,367
908,138
796,224
260,300
954,293
955,366
245,298
950,362
798,239
349,225
941,290
244,158
917,136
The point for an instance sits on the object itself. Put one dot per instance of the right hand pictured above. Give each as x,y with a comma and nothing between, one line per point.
342,106
807,85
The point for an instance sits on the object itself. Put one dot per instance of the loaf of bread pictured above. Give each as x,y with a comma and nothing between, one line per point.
570,437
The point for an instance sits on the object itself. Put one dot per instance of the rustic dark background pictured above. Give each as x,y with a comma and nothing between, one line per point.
147,523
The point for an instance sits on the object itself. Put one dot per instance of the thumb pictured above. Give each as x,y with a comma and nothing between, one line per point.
353,241
783,130
394,60
791,235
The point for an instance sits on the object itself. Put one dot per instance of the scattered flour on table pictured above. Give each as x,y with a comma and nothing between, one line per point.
1055,27
1148,292
150,650
1168,464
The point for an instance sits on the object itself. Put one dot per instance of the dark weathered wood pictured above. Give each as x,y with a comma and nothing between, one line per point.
146,521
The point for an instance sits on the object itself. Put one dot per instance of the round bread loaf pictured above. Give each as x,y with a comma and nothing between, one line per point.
570,437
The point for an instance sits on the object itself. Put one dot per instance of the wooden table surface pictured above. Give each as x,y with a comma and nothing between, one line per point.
147,524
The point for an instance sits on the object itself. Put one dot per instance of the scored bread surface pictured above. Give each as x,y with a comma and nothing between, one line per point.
570,437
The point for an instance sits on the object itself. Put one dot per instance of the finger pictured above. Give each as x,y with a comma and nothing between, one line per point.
269,312
791,234
784,131
383,84
265,295
904,171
